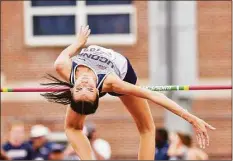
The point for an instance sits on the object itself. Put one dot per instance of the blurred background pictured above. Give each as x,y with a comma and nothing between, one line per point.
180,43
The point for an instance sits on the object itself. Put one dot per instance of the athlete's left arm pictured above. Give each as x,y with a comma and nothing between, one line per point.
63,62
121,87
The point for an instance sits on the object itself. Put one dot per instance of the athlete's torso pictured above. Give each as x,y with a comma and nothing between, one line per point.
101,60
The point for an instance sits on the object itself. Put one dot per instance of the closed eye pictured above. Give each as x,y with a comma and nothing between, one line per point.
90,89
78,89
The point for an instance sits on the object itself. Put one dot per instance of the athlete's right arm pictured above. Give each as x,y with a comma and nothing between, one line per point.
115,84
63,61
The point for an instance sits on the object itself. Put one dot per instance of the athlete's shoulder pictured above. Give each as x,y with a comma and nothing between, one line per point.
110,79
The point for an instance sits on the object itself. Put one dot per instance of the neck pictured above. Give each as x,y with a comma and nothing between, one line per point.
85,70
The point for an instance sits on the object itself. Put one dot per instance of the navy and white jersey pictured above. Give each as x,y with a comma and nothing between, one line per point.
103,61
43,152
22,152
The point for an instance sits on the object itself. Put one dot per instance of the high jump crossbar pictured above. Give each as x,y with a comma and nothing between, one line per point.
152,88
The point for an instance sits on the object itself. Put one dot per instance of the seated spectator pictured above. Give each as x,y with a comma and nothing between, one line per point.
101,148
16,148
3,156
177,149
69,153
161,140
56,152
194,153
39,142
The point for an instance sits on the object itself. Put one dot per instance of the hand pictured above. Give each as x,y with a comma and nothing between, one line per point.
83,34
200,128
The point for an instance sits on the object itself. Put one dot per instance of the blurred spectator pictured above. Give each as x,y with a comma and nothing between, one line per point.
182,148
70,154
3,156
177,149
101,148
194,153
41,146
162,145
57,152
16,148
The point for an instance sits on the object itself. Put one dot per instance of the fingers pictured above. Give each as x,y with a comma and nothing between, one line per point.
207,139
198,138
203,141
201,133
209,126
88,32
207,136
202,138
84,31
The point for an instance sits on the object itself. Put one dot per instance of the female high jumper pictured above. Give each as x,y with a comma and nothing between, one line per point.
92,72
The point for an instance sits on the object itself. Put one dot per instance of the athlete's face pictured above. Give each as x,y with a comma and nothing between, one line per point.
85,88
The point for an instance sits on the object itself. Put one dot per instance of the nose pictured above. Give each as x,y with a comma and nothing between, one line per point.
84,80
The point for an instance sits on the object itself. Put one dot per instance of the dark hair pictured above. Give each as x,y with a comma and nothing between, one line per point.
185,139
162,133
65,97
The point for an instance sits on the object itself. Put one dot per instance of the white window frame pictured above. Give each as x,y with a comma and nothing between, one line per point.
80,11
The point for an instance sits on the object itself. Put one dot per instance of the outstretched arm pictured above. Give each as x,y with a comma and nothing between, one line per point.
117,85
63,61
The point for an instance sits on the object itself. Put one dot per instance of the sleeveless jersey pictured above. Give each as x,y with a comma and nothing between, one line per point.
102,61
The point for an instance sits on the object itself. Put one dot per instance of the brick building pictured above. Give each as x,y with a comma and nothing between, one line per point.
24,64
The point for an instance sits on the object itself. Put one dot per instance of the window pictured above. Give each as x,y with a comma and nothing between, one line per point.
109,2
55,23
109,24
35,3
